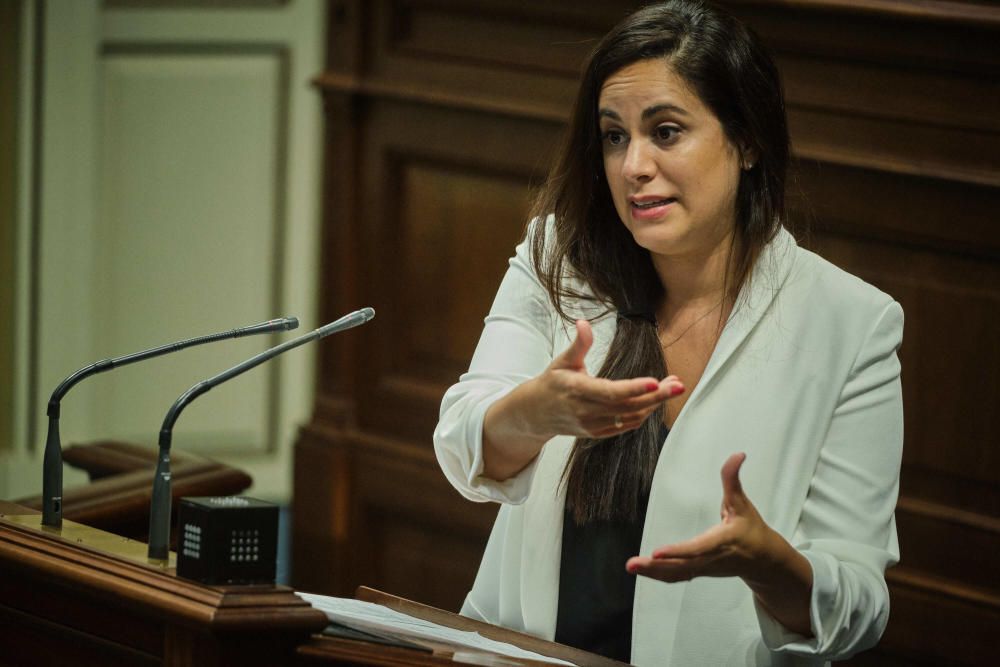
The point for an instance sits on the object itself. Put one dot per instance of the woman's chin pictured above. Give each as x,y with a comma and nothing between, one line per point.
658,239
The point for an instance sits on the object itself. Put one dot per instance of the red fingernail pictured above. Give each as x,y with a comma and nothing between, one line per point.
652,386
676,389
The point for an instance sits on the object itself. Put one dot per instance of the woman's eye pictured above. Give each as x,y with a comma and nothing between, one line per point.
666,132
614,137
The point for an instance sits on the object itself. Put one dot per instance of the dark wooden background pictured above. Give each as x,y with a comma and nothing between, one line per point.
441,114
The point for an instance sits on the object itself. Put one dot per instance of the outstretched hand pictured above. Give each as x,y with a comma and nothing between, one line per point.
566,400
739,546
569,401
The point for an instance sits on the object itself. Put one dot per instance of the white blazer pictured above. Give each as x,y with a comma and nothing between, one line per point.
804,379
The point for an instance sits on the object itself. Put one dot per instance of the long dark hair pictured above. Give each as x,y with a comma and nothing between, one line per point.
725,64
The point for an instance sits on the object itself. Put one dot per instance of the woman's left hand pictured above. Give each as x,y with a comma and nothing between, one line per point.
744,546
736,547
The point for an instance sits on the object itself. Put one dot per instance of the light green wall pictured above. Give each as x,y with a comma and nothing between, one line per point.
89,116
10,18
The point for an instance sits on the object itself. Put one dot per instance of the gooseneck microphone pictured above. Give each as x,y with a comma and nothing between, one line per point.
52,473
159,509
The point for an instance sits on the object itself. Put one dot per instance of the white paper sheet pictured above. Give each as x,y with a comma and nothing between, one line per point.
368,616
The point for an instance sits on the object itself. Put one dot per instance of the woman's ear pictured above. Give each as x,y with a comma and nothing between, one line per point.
748,158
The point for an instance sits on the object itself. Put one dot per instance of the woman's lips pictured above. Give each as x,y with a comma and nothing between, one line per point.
650,208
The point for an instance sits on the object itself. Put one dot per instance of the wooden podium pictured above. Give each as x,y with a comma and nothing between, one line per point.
81,596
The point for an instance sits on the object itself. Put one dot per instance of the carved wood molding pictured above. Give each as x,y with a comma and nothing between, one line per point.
344,84
950,514
928,583
929,10
922,104
824,150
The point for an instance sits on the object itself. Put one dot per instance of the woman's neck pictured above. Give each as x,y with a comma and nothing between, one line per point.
694,281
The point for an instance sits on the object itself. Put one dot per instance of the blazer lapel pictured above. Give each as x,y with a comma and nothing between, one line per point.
769,274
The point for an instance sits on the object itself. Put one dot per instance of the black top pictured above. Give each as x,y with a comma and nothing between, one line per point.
595,591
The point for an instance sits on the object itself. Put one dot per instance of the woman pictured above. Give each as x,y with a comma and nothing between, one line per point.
658,248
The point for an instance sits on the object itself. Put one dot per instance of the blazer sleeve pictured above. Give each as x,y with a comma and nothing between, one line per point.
516,345
847,528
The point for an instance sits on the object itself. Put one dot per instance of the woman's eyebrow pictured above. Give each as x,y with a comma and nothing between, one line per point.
657,108
646,113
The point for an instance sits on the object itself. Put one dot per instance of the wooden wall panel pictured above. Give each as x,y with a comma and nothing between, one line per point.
447,198
440,116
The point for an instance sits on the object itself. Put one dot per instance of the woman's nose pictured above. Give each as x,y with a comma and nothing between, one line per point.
638,165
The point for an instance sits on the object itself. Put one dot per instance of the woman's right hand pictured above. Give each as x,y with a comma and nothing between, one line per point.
566,400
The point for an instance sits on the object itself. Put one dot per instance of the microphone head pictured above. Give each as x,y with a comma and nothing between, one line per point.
349,321
277,324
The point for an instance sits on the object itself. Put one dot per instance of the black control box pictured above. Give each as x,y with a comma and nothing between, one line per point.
227,540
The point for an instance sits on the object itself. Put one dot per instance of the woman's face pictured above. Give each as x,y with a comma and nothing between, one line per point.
672,171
